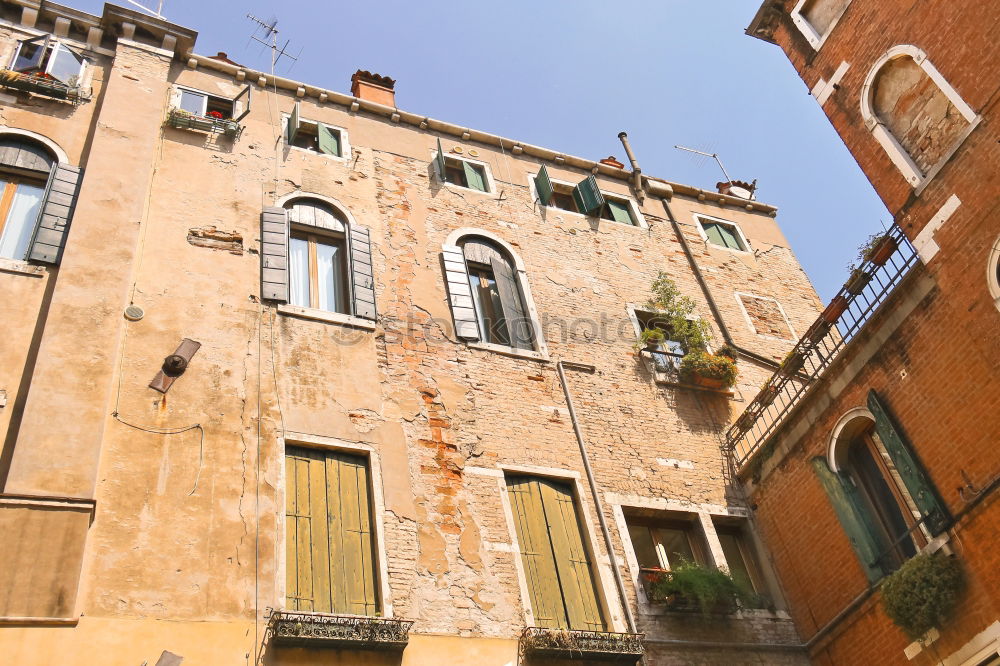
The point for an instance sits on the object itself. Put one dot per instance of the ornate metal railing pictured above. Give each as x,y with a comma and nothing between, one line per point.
583,645
42,84
866,289
339,631
182,119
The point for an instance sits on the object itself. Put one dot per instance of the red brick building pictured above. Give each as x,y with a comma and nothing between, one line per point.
876,441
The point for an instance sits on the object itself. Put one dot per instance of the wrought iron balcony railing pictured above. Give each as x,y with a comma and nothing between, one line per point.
182,119
339,631
42,84
866,289
583,645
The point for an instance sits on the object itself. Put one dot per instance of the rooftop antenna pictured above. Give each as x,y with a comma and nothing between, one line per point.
713,155
268,31
159,8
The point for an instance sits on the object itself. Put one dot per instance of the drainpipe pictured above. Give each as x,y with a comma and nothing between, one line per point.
598,505
640,194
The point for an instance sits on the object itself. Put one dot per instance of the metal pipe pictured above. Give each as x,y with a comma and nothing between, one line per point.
708,294
636,170
598,506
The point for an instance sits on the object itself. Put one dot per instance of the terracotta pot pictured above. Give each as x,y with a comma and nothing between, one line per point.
818,331
767,396
708,382
857,283
883,251
833,311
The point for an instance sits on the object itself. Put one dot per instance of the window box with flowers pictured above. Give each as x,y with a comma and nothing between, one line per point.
195,110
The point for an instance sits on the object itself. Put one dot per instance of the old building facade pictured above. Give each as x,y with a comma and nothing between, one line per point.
873,450
291,375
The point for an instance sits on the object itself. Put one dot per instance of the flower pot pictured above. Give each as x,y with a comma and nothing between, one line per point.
708,382
767,396
834,310
653,345
818,331
883,250
857,282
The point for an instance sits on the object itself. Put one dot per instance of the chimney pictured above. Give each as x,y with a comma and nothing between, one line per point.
738,188
612,162
373,88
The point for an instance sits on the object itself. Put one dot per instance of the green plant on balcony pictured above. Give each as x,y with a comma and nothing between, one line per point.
694,587
676,311
923,592
651,338
709,370
214,122
41,83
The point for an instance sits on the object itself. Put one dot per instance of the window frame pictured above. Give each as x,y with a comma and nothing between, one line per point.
815,39
699,217
313,236
442,177
232,101
383,591
51,45
665,376
7,201
600,569
993,273
345,145
753,329
638,219
898,155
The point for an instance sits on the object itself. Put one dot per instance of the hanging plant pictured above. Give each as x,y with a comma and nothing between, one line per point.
923,592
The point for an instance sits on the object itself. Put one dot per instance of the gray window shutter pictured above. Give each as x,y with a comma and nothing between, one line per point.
853,518
361,273
293,125
587,196
463,311
914,476
274,254
56,214
514,312
329,141
241,105
543,185
439,161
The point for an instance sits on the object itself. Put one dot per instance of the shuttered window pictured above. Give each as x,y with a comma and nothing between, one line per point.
617,210
556,563
496,297
329,547
722,234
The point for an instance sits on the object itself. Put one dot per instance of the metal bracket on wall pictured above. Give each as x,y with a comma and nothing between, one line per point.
174,365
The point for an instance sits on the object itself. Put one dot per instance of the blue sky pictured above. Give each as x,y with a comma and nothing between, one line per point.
571,74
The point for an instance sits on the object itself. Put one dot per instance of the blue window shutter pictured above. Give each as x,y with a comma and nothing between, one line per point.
914,476
587,196
853,517
543,185
439,160
293,124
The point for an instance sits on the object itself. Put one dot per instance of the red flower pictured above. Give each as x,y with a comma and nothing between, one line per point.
214,114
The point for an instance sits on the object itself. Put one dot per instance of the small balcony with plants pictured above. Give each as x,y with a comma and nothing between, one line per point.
699,589
676,344
43,84
538,644
214,122
347,632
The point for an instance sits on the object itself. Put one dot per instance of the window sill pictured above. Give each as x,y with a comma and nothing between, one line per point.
21,268
509,351
336,158
462,188
326,316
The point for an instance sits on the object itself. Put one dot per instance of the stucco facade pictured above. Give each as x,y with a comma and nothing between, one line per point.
136,521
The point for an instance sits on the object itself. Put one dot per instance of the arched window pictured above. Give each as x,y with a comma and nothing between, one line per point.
883,497
488,293
315,256
24,172
919,119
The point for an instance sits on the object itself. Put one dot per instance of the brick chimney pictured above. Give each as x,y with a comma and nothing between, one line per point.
373,88
612,162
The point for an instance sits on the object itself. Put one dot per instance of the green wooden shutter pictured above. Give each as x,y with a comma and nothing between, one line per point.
556,563
620,211
853,518
918,483
329,549
474,176
543,185
587,196
714,233
329,142
572,561
536,553
439,161
293,125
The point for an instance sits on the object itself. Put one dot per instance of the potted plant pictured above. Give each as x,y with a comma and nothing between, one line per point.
877,249
922,593
792,363
676,312
857,280
818,331
709,370
692,587
768,392
834,310
652,338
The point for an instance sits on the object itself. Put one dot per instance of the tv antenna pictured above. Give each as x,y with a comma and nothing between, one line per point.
159,8
266,33
712,155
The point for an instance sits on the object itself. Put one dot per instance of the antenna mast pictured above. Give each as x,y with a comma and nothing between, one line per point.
269,31
713,155
159,8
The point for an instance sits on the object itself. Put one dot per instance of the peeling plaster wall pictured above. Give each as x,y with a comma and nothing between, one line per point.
188,529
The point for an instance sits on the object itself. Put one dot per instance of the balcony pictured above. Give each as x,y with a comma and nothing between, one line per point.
320,630
581,645
854,305
182,119
39,83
